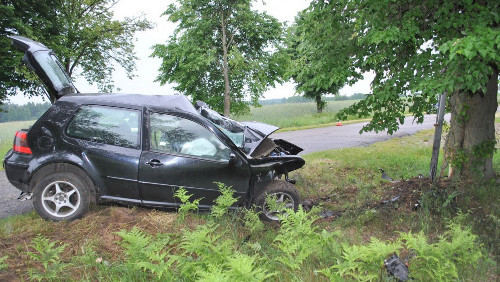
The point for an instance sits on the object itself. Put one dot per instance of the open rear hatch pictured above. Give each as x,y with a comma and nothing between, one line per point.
45,64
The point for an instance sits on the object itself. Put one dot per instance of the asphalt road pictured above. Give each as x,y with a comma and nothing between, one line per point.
334,137
9,205
311,140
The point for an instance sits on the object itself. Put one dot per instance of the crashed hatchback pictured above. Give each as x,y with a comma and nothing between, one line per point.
139,149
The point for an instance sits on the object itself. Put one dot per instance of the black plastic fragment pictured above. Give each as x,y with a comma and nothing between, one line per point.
396,267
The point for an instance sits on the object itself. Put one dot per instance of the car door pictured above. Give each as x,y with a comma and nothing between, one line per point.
184,153
110,138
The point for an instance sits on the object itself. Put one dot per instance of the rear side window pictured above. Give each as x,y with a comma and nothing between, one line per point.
113,126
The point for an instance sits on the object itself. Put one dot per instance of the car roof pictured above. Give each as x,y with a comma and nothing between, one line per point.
155,102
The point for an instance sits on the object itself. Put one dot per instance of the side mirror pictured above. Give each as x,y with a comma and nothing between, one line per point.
232,159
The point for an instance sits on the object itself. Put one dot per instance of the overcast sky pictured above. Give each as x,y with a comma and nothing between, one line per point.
147,68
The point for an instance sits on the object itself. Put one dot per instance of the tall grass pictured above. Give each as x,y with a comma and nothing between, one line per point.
295,114
7,132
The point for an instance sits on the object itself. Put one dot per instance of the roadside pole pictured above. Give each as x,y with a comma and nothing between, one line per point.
437,135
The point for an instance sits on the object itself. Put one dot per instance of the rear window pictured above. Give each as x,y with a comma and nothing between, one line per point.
113,126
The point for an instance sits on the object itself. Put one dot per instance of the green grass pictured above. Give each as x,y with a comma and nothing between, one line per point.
296,115
144,244
334,170
7,132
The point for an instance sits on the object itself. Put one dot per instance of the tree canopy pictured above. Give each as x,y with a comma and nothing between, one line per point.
83,34
418,50
222,52
320,47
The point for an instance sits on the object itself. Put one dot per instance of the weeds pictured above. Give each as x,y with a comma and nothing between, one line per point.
47,254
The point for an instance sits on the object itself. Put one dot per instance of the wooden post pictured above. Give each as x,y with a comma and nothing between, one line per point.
437,135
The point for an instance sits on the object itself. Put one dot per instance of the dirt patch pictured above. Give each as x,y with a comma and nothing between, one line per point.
405,196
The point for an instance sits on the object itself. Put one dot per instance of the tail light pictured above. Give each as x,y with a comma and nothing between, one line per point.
21,143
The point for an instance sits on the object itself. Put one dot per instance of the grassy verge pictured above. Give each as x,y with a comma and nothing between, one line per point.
448,232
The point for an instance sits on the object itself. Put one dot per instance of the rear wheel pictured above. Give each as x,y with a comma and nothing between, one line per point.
61,196
284,193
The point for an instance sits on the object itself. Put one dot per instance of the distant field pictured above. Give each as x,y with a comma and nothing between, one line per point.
295,114
7,132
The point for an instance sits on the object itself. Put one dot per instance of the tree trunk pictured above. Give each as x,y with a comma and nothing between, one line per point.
227,97
319,104
470,143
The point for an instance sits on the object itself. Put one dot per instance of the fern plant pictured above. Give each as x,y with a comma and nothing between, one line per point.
146,253
238,267
365,262
298,238
205,255
186,205
251,221
224,201
46,253
441,261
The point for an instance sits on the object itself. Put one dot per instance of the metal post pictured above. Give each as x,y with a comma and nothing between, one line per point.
437,135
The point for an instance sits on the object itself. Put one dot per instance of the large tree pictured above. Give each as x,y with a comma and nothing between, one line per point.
10,78
419,49
83,33
222,52
320,48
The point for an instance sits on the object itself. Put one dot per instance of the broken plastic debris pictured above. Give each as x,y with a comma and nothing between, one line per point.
396,268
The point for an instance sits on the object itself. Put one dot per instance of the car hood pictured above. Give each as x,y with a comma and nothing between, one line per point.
47,67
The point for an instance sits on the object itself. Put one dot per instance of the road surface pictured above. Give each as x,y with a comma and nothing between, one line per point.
334,137
311,140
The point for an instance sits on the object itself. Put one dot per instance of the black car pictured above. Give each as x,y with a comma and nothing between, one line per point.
138,149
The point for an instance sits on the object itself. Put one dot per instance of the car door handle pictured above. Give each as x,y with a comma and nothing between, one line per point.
154,163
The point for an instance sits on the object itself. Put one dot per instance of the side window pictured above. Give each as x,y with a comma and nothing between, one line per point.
113,126
175,135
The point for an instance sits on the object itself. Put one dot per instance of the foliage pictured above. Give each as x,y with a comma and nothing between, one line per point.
3,265
418,50
456,249
82,33
224,201
202,254
220,48
364,263
320,48
251,221
29,111
186,205
144,253
11,78
46,253
298,238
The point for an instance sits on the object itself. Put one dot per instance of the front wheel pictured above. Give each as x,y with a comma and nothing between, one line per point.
61,196
284,193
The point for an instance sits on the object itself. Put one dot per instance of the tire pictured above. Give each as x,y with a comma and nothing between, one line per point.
61,196
284,192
